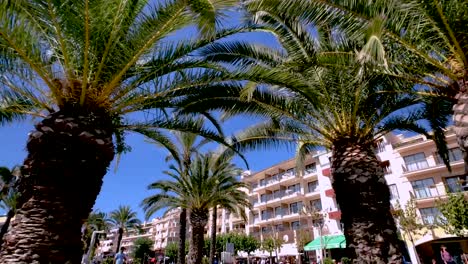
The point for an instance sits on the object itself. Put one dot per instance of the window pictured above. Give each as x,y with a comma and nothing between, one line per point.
429,215
265,215
380,145
291,171
393,191
456,184
454,154
263,198
277,194
279,228
311,168
265,229
278,211
294,188
316,205
262,182
295,225
312,186
416,162
424,188
295,207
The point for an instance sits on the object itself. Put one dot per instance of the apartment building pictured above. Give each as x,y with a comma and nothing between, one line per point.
279,193
412,169
162,230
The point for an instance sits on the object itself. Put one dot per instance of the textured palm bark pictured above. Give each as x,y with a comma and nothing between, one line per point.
214,217
119,239
182,234
460,118
68,156
364,199
198,221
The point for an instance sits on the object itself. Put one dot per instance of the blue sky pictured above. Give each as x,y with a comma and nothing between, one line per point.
126,185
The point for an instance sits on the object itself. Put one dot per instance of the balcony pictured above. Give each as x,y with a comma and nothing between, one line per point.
438,167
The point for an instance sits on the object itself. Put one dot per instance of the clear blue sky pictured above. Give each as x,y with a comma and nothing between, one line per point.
143,165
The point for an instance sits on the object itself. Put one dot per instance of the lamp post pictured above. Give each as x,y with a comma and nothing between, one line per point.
91,245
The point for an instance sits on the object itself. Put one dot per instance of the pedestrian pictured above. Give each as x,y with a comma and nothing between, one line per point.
120,258
445,255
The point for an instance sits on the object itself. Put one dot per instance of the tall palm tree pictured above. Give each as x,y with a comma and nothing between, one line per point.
422,41
318,95
222,165
83,68
181,147
122,219
212,183
8,195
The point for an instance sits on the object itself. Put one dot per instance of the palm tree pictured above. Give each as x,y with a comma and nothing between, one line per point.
424,41
83,68
212,183
96,221
223,165
122,219
345,107
181,148
8,195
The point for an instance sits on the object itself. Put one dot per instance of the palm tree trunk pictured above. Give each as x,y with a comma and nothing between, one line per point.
460,118
198,221
5,226
119,239
68,155
364,198
213,234
182,234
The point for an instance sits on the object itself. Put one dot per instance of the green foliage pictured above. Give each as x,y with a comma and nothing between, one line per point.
345,260
328,261
248,243
142,246
205,260
124,217
271,244
408,219
171,251
455,214
303,237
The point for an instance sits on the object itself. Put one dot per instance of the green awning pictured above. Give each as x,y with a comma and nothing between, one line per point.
337,241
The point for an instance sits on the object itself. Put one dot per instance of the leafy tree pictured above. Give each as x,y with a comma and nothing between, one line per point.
455,214
182,147
142,248
86,69
171,250
409,221
123,218
9,196
248,244
271,244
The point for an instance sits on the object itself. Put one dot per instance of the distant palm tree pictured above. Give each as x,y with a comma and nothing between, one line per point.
9,196
122,219
91,70
182,147
96,221
213,182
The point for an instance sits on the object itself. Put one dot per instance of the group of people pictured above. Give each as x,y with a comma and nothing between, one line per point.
447,258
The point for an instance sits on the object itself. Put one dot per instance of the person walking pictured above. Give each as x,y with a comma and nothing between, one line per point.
120,258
